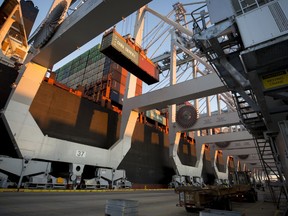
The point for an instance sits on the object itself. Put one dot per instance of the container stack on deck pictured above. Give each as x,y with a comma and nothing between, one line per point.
100,77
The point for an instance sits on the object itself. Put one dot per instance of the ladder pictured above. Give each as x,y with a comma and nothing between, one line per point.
252,119
269,157
249,113
266,149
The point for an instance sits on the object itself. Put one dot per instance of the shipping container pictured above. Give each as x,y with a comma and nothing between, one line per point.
116,97
123,51
138,90
148,66
116,75
123,80
102,61
116,67
93,76
118,87
155,115
139,82
124,72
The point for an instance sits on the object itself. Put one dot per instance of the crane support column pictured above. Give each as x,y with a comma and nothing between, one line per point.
129,116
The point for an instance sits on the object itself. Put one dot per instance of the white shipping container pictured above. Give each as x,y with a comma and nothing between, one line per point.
81,78
73,81
79,73
77,80
94,78
84,82
93,66
101,61
97,63
64,80
86,75
76,74
88,68
69,84
91,73
94,71
99,76
101,67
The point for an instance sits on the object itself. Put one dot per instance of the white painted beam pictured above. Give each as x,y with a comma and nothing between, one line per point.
83,25
247,151
215,121
225,137
16,166
238,145
178,93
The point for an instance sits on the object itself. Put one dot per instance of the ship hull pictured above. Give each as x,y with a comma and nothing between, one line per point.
66,116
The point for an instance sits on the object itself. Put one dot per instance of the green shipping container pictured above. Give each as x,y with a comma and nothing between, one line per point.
152,114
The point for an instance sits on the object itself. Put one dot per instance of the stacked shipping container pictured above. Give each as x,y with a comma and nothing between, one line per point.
103,80
101,77
83,69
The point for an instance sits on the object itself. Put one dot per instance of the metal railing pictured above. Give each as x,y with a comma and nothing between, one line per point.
243,6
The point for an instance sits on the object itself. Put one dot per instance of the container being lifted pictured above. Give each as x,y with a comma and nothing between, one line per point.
130,56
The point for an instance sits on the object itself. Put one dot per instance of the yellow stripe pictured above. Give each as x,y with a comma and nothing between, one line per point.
81,191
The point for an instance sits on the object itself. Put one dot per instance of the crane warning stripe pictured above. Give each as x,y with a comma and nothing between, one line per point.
275,79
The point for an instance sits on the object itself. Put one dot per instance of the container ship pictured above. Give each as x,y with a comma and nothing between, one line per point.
81,102
71,107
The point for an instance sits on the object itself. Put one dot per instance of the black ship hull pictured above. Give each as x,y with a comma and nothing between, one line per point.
66,116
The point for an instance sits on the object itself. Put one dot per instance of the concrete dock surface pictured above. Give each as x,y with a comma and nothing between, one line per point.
151,203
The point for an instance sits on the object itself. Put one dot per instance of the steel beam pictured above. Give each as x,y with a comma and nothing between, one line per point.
83,25
220,175
23,167
247,151
239,145
225,137
178,93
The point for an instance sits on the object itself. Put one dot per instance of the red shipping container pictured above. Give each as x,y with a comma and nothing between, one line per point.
124,72
115,85
122,89
138,90
139,82
116,76
147,66
123,80
116,67
104,86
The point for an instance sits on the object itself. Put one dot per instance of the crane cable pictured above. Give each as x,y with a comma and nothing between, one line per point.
146,37
155,31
